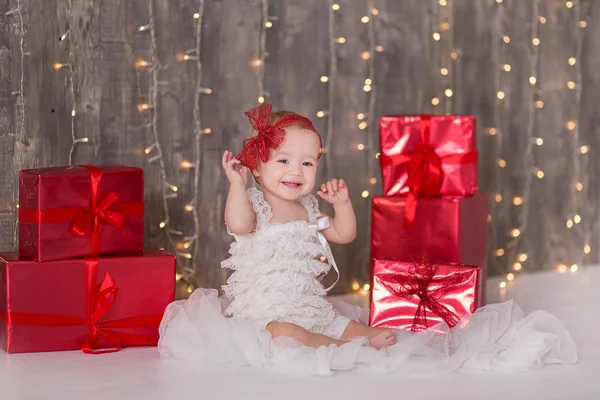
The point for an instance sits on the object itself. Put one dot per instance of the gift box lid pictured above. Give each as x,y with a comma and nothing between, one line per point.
61,170
13,256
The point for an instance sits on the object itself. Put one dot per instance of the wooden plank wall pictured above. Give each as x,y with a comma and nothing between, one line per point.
164,84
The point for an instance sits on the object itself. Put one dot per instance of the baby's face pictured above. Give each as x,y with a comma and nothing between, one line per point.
291,170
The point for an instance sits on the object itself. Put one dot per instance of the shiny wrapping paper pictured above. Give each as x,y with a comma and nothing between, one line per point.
64,305
439,151
78,211
403,297
452,230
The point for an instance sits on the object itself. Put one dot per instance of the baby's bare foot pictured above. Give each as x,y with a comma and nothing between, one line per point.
383,339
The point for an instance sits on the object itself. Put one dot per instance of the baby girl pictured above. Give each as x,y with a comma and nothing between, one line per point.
283,156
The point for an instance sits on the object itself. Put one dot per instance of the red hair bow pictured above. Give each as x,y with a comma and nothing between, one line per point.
270,136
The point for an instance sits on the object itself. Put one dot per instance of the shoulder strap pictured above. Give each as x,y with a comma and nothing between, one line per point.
311,204
321,224
260,207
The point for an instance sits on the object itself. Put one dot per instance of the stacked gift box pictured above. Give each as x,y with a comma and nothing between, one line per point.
429,229
81,278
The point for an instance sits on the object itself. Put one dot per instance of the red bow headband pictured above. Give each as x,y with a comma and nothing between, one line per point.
270,136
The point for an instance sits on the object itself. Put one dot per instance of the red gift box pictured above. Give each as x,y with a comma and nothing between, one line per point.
417,296
89,304
452,230
428,156
79,211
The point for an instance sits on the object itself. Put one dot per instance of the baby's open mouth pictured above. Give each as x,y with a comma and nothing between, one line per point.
292,185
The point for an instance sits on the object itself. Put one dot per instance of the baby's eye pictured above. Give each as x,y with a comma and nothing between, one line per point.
283,161
307,164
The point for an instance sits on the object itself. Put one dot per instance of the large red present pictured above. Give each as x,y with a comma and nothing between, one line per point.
415,296
79,211
428,156
450,230
94,304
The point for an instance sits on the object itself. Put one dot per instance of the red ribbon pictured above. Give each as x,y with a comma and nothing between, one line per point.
407,285
270,135
99,300
86,219
425,174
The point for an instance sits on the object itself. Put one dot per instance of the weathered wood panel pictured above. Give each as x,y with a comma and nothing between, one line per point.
40,124
83,23
136,75
9,101
121,129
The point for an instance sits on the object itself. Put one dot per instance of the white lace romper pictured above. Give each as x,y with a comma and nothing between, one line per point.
276,271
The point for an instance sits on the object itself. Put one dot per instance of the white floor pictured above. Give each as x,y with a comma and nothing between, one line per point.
138,373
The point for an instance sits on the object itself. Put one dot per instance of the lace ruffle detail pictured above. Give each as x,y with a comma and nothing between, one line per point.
300,278
311,204
311,312
260,207
283,245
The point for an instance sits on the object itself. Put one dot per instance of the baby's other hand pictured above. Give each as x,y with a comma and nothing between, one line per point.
233,175
334,191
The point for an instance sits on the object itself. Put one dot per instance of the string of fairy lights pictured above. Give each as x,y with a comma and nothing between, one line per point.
443,53
365,116
515,255
523,202
71,85
154,151
193,205
368,123
259,62
577,205
167,190
501,68
187,245
330,79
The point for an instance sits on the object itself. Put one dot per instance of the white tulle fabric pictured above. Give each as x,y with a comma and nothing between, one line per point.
275,278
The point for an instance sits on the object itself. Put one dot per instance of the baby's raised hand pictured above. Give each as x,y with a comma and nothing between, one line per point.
334,191
233,175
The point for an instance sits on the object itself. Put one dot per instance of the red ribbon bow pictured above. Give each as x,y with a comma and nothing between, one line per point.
98,212
425,174
99,301
270,136
416,283
88,218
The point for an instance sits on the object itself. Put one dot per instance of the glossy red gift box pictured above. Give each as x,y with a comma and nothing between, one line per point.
428,155
89,304
78,211
414,296
452,230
